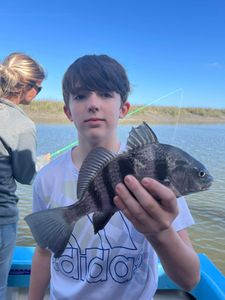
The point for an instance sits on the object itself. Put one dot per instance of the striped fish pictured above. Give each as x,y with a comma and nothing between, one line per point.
102,170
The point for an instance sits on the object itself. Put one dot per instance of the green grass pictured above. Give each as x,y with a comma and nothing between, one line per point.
209,112
174,111
45,106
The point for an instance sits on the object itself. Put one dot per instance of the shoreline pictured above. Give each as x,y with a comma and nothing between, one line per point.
60,118
52,112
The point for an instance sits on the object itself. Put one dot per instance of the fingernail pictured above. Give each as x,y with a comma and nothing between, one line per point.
115,199
127,179
146,181
118,187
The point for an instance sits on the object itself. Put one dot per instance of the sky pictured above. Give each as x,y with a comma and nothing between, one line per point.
173,51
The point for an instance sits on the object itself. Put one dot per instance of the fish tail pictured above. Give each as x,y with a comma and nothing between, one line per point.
52,228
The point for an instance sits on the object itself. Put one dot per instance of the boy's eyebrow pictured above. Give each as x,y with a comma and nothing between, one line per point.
79,90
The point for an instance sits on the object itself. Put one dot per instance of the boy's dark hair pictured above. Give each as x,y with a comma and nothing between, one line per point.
95,73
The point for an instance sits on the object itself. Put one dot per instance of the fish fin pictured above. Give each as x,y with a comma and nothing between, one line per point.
94,161
141,136
100,219
51,228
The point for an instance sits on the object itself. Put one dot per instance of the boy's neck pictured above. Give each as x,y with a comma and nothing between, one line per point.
80,152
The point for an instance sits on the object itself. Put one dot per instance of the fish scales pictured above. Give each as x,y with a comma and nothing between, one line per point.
144,162
106,180
161,165
95,195
134,163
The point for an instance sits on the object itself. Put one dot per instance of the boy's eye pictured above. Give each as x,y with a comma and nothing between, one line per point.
79,97
106,95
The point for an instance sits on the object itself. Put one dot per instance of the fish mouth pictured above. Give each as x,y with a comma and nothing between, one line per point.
207,184
198,187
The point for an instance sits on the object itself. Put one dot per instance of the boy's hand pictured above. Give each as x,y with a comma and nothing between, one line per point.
42,160
149,205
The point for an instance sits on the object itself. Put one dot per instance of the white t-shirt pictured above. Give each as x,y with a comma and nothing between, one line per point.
116,263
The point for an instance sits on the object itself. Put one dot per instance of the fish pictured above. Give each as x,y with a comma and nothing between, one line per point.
102,170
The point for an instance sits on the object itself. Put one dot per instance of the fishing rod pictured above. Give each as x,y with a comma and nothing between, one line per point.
54,154
63,149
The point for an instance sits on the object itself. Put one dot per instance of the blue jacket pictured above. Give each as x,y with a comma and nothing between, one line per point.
17,157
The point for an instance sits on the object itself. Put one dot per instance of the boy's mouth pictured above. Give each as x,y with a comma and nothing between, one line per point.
94,120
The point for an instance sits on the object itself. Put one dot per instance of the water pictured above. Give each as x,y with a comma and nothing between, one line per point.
204,142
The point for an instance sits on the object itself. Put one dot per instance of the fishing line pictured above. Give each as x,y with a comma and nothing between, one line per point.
155,101
178,115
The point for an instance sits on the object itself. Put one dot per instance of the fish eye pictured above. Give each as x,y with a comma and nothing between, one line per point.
201,174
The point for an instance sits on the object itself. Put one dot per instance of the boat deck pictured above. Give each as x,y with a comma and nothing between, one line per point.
211,285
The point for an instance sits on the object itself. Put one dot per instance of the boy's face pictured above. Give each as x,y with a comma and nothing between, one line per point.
95,115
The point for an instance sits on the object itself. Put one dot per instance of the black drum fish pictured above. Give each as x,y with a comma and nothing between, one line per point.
102,170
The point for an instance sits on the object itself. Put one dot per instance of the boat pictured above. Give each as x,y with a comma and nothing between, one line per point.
210,287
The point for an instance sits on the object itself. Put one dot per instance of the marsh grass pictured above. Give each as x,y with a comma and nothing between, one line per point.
45,106
173,110
52,111
210,112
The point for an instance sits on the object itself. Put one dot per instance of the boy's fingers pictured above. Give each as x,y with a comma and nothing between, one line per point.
159,191
127,199
119,203
153,197
132,206
143,196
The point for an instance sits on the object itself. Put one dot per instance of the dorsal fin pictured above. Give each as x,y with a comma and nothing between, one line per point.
141,136
94,161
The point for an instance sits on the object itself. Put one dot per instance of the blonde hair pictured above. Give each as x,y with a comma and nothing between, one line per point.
16,71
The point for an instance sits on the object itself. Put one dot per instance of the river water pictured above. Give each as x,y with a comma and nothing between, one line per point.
204,142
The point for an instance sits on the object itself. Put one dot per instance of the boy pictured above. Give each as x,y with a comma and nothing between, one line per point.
120,261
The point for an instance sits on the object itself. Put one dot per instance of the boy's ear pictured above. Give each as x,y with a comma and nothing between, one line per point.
124,109
67,113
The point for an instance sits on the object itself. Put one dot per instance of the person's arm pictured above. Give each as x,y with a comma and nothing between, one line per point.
153,218
24,155
177,256
25,163
40,274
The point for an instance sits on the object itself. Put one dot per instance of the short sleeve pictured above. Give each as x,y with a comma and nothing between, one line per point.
184,218
38,197
24,155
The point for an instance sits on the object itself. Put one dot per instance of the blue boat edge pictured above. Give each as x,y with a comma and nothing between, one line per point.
211,285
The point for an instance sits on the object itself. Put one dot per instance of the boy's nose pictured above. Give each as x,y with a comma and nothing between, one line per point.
93,109
93,102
